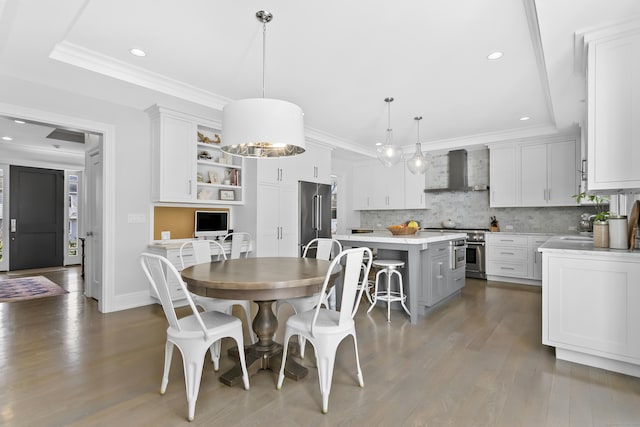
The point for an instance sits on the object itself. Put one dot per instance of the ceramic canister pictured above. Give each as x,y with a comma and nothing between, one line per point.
618,232
600,234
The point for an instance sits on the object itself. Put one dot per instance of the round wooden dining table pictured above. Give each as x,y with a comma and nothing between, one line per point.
262,280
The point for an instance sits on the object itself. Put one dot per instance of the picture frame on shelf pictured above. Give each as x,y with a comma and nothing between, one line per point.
227,195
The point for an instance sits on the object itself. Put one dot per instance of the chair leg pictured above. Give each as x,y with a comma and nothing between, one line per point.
367,292
243,364
193,362
285,347
215,354
326,356
302,343
355,347
247,313
168,354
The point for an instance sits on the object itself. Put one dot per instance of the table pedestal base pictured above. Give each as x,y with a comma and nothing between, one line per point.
266,353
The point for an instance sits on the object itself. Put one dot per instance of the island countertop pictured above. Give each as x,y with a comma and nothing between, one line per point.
420,238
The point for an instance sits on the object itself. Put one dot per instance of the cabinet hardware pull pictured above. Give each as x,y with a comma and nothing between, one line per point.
507,268
507,253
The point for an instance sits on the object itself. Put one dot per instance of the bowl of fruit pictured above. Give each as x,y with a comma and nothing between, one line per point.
404,229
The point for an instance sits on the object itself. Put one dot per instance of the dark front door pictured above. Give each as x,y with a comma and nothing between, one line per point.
36,227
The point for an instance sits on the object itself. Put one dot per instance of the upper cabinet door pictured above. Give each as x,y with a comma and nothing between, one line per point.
563,177
533,175
314,165
614,112
504,176
173,169
414,185
362,187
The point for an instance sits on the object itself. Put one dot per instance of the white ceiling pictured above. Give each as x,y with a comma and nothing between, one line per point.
338,60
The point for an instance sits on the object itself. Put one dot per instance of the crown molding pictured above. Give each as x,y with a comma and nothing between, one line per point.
91,60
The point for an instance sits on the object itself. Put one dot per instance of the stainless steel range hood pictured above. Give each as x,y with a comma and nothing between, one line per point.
458,180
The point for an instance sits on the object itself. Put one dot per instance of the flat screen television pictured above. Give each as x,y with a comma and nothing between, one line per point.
211,223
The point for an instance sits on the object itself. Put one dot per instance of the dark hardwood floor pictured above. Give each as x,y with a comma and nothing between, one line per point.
476,361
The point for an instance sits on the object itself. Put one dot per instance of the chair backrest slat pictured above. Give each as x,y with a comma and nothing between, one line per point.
159,272
325,248
201,250
352,271
238,240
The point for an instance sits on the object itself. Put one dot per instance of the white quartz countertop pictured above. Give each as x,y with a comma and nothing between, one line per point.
420,238
581,244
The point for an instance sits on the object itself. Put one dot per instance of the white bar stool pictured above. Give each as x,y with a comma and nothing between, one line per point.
390,268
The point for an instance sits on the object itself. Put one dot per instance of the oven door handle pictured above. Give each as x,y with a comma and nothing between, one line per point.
471,243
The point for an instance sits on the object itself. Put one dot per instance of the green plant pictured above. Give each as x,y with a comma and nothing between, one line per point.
600,203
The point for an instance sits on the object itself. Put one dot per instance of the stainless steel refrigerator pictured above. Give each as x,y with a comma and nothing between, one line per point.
315,211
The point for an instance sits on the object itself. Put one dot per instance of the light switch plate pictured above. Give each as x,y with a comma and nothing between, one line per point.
136,218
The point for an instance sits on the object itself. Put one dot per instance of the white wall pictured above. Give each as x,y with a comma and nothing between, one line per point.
132,177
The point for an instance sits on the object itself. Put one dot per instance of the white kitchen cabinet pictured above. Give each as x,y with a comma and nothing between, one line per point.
362,187
504,176
514,258
549,174
186,170
506,255
173,174
377,187
540,173
535,257
613,79
315,164
590,309
414,195
277,220
388,186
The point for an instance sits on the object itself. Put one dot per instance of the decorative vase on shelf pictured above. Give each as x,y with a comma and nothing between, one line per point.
600,234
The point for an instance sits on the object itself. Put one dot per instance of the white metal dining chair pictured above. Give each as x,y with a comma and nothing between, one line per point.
193,334
324,249
201,253
325,329
239,239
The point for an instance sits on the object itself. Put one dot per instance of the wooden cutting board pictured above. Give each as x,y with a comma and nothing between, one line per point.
633,223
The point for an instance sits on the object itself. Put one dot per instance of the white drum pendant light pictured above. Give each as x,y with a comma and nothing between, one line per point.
418,163
388,153
262,127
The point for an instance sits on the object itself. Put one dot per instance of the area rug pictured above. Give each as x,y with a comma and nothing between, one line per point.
35,271
23,288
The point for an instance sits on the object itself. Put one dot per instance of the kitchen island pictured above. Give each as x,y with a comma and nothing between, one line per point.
428,275
591,303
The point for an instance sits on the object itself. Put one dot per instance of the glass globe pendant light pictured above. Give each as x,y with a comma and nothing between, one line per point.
418,163
388,153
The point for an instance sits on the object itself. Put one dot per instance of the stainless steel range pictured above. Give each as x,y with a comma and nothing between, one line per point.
475,249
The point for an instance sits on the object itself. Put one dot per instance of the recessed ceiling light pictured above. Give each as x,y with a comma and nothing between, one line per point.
378,144
137,52
495,55
524,118
7,138
20,122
